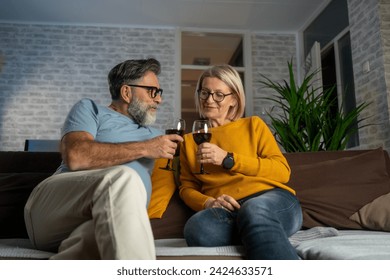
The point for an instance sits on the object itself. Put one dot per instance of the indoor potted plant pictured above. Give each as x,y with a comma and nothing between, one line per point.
306,118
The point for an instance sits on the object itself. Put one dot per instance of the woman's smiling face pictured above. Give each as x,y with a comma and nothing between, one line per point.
216,112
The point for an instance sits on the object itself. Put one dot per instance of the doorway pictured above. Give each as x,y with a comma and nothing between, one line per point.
200,50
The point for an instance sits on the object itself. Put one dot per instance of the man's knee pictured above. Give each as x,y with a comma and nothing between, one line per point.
120,180
121,174
122,171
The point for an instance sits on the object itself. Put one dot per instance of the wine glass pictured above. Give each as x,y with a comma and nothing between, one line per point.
201,134
178,127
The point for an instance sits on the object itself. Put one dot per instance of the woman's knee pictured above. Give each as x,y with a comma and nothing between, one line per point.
210,227
193,230
197,223
276,209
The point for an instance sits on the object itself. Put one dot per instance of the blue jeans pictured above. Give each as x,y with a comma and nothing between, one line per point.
262,224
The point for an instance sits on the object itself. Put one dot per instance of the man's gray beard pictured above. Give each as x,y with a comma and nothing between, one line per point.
140,112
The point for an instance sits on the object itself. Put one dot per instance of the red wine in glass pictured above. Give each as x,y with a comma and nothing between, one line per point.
180,126
178,132
201,137
201,134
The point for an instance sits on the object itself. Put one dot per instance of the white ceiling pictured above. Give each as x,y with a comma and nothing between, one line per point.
256,15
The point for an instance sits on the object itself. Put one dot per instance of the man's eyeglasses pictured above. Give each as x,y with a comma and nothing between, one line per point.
217,96
153,91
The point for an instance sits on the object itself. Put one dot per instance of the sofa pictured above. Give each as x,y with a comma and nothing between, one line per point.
345,198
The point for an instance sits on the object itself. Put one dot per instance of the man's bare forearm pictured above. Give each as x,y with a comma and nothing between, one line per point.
80,151
87,154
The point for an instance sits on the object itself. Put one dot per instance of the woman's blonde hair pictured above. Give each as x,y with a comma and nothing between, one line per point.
232,79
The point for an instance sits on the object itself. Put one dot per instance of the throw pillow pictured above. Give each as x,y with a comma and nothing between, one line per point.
375,215
163,187
15,188
332,190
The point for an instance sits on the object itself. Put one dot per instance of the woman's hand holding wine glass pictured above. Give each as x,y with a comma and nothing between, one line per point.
201,134
178,127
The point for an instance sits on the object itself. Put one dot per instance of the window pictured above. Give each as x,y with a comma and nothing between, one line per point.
336,55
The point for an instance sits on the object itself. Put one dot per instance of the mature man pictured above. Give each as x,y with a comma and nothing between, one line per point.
94,206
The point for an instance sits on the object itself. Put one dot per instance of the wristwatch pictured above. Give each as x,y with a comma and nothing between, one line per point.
228,161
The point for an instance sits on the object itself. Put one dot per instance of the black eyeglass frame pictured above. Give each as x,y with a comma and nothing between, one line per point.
152,90
212,94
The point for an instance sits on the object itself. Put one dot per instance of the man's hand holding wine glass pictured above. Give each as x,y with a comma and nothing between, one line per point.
178,127
164,146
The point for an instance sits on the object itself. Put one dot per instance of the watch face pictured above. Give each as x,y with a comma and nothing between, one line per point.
228,161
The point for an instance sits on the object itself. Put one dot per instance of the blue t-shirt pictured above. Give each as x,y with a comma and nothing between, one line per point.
109,126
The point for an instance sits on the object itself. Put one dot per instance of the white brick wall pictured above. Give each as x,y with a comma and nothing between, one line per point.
384,8
365,18
270,54
47,68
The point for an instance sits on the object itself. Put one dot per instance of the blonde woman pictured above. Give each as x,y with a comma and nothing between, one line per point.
243,198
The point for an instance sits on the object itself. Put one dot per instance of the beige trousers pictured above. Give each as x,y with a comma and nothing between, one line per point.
94,214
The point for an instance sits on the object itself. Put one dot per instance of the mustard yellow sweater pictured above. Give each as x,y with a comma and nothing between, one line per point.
259,164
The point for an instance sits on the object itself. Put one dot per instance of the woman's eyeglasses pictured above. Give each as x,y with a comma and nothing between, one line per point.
217,96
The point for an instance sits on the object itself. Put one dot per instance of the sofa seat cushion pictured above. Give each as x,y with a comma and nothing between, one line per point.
177,247
21,249
348,245
331,191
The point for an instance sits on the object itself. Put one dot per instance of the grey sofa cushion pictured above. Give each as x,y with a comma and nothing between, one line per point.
348,245
20,249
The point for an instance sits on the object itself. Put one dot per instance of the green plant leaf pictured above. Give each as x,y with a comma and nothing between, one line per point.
303,117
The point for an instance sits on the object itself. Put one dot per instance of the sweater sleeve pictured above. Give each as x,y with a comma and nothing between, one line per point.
259,164
268,162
